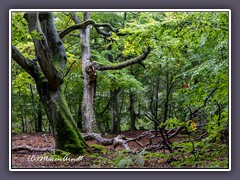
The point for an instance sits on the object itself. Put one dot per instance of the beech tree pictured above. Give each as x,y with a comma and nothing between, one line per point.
48,72
89,67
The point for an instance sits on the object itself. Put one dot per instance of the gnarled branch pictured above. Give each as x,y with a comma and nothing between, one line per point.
86,23
124,64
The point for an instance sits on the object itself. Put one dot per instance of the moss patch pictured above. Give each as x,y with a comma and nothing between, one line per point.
68,139
99,148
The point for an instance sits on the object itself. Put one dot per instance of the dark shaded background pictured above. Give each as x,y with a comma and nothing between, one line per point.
111,4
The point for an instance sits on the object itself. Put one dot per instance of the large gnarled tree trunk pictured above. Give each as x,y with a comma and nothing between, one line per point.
49,76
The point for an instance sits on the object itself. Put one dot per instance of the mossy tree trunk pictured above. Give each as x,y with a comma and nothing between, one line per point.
65,131
48,74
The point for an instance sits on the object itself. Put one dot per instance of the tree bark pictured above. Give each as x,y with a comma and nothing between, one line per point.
88,70
89,80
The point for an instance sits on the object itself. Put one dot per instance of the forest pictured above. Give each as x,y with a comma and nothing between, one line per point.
120,89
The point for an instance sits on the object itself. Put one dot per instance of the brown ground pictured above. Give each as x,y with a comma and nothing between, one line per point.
22,159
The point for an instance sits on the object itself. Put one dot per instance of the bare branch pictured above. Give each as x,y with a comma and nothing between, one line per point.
118,140
86,23
178,130
125,63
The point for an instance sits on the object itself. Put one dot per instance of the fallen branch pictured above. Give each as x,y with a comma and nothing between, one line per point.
98,138
31,149
118,140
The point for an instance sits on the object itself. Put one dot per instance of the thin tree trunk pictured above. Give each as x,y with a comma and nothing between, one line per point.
115,114
132,112
39,118
33,105
23,123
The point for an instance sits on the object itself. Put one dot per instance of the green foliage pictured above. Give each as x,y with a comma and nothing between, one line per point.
125,161
37,35
20,32
21,82
115,79
202,153
121,160
172,123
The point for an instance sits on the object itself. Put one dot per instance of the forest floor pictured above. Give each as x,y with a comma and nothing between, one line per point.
102,157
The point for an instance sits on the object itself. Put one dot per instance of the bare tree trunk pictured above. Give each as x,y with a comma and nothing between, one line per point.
90,80
89,69
23,123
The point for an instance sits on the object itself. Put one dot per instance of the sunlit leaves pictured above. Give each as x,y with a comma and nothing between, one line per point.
37,35
20,32
119,79
21,83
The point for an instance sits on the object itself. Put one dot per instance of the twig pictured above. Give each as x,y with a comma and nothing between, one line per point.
69,68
